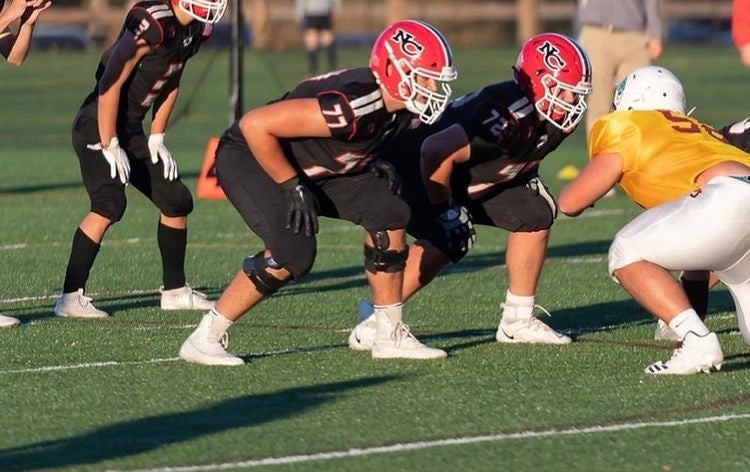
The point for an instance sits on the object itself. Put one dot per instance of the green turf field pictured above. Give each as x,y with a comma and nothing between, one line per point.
112,395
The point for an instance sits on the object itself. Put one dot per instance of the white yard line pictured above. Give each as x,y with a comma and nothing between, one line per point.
421,445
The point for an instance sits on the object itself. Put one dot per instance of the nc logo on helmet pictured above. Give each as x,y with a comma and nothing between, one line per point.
552,57
406,42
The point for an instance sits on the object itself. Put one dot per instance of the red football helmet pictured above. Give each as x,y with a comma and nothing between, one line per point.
205,11
408,50
548,66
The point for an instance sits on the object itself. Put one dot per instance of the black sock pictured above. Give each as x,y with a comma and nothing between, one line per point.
697,293
312,60
331,53
172,243
83,252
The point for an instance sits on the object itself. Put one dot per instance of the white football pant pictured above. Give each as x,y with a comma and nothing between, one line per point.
707,230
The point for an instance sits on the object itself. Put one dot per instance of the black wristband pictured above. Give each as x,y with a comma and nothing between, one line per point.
290,184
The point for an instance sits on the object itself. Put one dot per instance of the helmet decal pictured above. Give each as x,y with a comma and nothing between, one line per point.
407,43
552,57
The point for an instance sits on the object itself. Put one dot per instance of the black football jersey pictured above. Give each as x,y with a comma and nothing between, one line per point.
506,137
159,71
352,104
738,134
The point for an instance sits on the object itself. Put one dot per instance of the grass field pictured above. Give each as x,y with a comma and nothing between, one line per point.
112,395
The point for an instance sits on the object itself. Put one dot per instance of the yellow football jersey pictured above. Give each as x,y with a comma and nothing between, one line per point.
662,152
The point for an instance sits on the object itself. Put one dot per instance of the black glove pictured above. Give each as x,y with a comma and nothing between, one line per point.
459,230
383,169
302,207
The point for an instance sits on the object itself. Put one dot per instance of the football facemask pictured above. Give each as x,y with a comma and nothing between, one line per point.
205,11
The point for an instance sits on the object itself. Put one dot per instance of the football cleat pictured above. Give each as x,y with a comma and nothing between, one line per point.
363,335
184,298
395,341
695,354
76,305
9,321
205,346
529,330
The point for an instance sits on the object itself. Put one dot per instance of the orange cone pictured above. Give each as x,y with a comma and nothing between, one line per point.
208,186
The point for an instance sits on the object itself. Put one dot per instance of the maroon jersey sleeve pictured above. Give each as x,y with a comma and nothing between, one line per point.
141,22
339,115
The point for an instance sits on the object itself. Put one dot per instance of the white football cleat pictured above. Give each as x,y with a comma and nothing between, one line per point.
395,341
184,298
363,335
695,354
529,330
76,305
205,346
664,333
8,321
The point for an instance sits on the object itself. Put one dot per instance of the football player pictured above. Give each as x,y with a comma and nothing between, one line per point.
14,47
314,152
479,165
139,74
695,189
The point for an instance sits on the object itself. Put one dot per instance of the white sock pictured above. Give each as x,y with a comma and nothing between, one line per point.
394,312
687,321
517,307
219,324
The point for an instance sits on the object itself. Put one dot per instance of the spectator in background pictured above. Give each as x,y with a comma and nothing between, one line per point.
619,36
14,47
741,29
317,17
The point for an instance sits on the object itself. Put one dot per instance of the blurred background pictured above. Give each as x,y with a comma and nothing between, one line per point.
272,25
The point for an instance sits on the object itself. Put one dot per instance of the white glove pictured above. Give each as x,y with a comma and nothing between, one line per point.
119,165
160,152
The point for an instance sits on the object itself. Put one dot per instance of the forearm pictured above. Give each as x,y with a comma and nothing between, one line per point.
20,49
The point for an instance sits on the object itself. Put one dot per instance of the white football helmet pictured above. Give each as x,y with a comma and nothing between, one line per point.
650,88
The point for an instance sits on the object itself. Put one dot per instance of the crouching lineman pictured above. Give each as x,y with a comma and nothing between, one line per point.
479,165
313,152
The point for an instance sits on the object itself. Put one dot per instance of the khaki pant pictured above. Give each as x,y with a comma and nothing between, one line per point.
613,55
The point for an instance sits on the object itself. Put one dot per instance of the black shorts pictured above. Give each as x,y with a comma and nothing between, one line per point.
362,199
317,22
171,197
520,206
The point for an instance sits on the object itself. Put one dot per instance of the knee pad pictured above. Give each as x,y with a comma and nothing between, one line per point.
174,200
255,269
112,208
380,259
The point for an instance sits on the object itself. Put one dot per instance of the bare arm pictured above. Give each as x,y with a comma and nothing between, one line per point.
20,48
163,112
440,152
595,180
109,92
263,127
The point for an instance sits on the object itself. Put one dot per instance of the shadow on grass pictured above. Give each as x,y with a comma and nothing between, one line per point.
354,276
142,435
